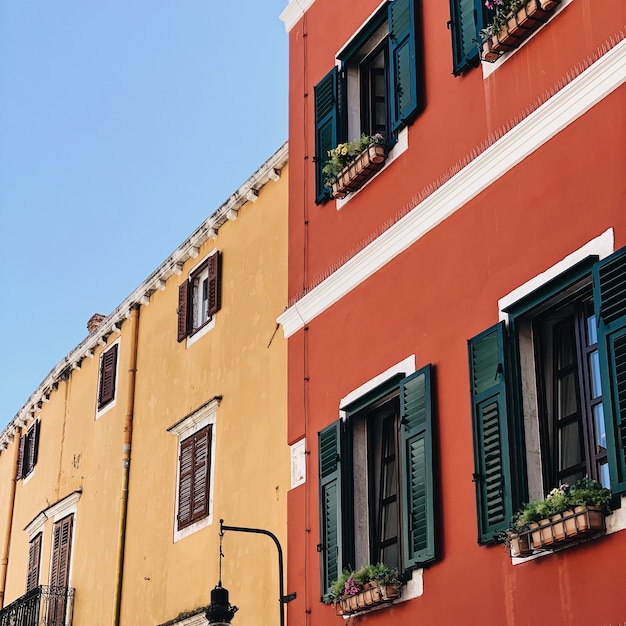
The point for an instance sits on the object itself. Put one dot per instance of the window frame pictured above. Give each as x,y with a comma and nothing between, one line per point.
28,453
187,305
339,546
108,378
334,92
519,480
203,419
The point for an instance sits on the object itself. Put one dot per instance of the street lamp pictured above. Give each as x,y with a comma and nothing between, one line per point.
220,611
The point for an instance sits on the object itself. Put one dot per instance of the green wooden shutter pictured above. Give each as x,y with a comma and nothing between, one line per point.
326,118
331,518
416,457
493,477
403,62
609,284
467,18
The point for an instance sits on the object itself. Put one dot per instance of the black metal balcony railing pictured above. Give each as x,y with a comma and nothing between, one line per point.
42,606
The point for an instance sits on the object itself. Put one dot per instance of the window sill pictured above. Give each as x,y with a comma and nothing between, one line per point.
200,332
613,523
398,148
508,47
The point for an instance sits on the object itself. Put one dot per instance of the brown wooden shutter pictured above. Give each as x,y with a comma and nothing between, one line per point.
33,449
60,570
185,484
193,488
108,366
182,311
214,283
20,457
34,557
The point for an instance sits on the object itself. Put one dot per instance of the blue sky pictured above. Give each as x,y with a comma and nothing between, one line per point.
123,125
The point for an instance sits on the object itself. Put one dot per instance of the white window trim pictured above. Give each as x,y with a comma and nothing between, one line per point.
109,405
204,416
490,68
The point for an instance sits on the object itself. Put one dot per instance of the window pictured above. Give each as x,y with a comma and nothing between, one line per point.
467,19
376,480
34,559
194,477
108,375
199,297
554,409
374,89
28,451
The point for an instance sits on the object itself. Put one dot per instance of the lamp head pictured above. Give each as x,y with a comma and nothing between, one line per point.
220,611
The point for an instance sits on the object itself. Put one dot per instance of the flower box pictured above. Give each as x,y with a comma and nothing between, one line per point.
566,527
519,25
354,175
370,596
520,545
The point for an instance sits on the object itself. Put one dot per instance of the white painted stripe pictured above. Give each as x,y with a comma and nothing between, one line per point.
571,102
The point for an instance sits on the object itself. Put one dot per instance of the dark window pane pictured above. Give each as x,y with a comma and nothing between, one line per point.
570,446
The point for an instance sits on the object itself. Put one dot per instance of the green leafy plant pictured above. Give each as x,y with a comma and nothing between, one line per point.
585,492
351,582
344,154
501,10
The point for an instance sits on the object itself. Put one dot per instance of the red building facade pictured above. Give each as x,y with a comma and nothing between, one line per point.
457,314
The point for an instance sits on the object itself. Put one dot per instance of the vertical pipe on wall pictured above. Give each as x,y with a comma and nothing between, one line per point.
126,448
6,544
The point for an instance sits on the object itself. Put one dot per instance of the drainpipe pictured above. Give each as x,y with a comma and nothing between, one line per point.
4,563
126,447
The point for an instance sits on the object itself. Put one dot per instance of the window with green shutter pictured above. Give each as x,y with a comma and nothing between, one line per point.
376,89
566,418
467,19
378,465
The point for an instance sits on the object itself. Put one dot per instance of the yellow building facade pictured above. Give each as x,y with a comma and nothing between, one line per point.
170,416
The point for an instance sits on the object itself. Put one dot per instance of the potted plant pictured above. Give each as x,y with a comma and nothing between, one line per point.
364,588
513,21
353,163
566,514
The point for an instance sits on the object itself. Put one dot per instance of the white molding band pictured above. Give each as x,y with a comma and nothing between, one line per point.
294,11
590,87
55,512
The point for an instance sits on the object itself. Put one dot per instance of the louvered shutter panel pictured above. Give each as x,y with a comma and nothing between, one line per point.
493,477
416,457
34,556
108,366
183,310
403,62
214,283
465,24
60,568
34,444
331,520
326,119
185,484
20,457
201,467
609,283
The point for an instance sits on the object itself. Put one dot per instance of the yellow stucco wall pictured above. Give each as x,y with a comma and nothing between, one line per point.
242,360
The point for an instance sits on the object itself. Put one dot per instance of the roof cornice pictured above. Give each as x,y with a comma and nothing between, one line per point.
247,192
294,11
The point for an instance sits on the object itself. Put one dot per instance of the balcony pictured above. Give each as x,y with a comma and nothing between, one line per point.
42,606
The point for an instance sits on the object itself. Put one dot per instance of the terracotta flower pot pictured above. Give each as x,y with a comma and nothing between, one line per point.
353,176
